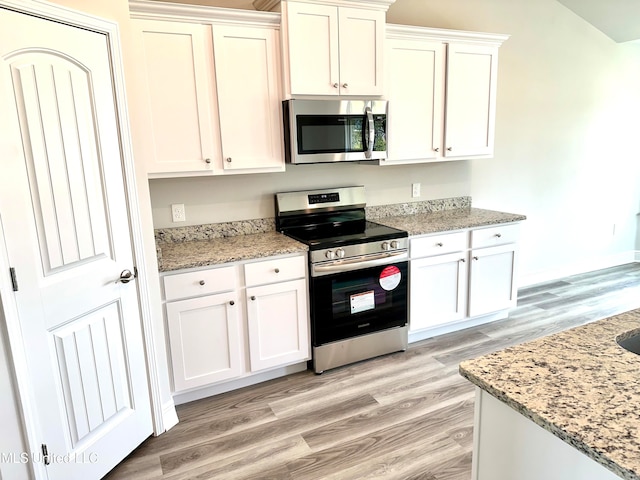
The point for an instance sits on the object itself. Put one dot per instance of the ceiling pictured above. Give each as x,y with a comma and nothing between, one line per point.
618,19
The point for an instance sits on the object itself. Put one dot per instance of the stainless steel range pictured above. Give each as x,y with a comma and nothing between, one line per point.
358,275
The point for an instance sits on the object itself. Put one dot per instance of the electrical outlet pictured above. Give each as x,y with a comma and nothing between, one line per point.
415,190
177,212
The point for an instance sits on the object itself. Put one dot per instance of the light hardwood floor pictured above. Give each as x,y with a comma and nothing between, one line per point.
404,416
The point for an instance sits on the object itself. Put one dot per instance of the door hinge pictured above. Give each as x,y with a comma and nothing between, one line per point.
45,454
14,279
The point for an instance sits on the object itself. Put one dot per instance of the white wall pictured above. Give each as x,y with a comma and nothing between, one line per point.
566,149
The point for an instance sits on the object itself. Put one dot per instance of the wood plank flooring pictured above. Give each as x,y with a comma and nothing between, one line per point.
405,416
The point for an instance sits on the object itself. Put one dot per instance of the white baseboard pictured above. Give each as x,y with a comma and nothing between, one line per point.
190,396
169,415
579,267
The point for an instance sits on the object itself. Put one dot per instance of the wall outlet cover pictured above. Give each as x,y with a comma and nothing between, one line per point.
178,213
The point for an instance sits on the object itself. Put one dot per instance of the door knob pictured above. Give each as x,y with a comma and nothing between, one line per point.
126,276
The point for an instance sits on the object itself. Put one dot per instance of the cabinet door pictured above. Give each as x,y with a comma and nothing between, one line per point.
248,80
178,64
312,38
361,39
471,100
278,323
437,290
492,285
416,100
204,338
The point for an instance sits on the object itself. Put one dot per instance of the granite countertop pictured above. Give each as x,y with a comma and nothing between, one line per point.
579,384
452,219
199,253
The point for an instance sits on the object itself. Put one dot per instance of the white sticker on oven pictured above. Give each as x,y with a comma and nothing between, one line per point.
390,277
363,301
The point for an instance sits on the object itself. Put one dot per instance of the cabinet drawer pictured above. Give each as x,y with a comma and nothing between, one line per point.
499,235
204,282
438,244
270,271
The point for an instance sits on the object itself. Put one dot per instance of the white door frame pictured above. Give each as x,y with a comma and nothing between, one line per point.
24,391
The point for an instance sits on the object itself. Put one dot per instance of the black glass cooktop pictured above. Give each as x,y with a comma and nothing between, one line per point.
332,235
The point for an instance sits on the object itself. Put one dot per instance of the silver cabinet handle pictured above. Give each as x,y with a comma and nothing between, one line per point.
229,159
201,282
335,85
207,160
277,270
253,297
126,276
345,85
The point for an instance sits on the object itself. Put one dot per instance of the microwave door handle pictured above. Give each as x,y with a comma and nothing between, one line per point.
370,132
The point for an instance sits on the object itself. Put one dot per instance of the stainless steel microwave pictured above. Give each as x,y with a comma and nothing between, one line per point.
321,131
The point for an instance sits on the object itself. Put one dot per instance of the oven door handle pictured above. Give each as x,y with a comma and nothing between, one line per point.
370,132
358,263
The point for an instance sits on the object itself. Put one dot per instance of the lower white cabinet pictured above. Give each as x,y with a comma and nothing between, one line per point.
276,334
462,275
204,335
235,320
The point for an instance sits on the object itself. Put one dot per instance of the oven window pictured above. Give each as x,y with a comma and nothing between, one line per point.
362,301
330,133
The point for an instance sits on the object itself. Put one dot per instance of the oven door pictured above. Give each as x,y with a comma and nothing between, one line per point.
358,302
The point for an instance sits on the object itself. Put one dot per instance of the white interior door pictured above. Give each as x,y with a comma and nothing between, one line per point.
64,210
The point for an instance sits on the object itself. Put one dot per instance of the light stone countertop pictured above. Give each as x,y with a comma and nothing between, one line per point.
445,220
199,253
579,384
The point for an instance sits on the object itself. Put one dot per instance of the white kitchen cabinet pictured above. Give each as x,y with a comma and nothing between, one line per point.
182,127
204,336
235,320
438,290
462,277
492,269
442,94
213,84
278,329
248,79
333,50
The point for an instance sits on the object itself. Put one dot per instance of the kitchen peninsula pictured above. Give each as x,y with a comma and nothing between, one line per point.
566,406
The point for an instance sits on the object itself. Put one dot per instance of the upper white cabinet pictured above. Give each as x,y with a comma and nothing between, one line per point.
332,48
213,89
442,94
183,130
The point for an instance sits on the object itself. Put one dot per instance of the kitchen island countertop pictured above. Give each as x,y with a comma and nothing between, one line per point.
578,384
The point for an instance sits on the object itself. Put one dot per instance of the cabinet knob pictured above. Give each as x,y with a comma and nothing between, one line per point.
437,149
201,282
277,270
463,260
207,160
229,159
345,85
449,149
253,297
232,302
498,235
439,244
335,85
475,258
